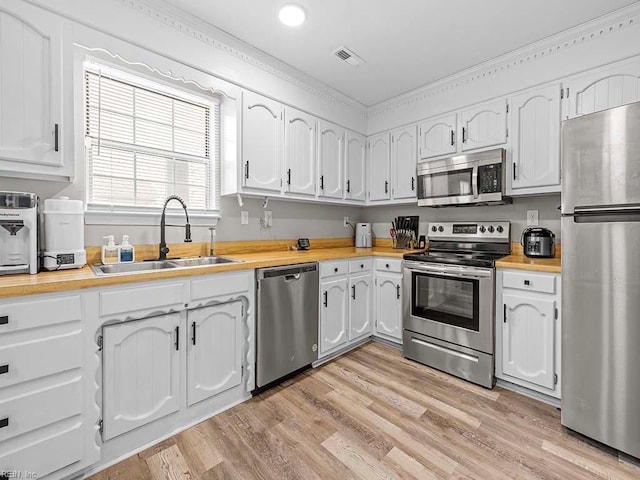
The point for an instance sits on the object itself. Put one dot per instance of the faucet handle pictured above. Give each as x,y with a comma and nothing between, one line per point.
187,233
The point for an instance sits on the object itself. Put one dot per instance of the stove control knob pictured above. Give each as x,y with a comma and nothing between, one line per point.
434,229
441,228
499,229
490,228
482,229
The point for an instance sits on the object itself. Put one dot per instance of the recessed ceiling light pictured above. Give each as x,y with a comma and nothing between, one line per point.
292,15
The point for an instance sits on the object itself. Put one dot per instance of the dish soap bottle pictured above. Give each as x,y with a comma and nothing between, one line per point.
127,251
110,251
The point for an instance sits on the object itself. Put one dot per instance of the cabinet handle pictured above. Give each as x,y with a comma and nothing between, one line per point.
4,319
514,170
246,169
335,270
348,186
321,182
386,186
353,292
193,339
362,265
289,177
55,137
452,138
413,183
177,338
527,282
326,299
4,422
398,292
504,313
4,369
387,265
464,135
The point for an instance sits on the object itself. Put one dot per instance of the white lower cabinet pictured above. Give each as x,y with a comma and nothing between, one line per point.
389,306
333,314
141,372
528,330
361,291
214,353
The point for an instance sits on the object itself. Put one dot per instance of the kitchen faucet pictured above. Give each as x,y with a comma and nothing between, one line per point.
187,227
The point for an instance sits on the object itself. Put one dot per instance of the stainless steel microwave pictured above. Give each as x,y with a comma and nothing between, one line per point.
472,179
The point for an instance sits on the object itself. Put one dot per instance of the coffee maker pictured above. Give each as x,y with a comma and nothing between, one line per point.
18,233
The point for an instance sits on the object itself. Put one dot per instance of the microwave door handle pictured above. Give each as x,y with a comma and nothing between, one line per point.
474,181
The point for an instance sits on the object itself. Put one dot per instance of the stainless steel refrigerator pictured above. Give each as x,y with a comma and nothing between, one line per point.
601,277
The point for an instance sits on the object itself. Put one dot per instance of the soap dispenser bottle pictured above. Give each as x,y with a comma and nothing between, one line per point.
127,251
110,251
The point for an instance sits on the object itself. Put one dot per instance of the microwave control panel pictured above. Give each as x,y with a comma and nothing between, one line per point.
490,178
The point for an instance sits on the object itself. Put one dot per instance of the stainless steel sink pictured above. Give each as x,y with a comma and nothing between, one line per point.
200,261
137,267
141,267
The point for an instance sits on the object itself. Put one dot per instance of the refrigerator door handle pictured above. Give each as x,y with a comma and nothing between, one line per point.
612,213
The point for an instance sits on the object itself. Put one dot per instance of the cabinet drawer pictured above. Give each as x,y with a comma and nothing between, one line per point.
45,455
43,407
39,312
360,265
219,285
45,356
333,269
148,300
389,265
535,282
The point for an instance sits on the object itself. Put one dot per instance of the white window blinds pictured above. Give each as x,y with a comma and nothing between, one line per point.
144,144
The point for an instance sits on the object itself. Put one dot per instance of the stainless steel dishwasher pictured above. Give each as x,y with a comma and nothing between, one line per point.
287,321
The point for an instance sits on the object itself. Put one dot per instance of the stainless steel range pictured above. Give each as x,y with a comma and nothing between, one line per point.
449,315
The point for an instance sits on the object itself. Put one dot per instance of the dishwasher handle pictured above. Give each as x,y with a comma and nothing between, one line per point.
292,277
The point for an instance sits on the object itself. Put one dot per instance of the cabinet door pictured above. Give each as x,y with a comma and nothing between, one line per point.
528,342
262,139
403,161
214,355
355,153
604,88
379,187
331,160
141,372
300,158
35,90
361,291
333,315
437,136
389,305
536,140
484,125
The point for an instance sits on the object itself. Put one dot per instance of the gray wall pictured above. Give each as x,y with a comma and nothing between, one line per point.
516,213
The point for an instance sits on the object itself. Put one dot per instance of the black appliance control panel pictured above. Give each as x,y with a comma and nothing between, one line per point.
490,178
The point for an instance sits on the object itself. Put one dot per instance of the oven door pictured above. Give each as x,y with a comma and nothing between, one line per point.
450,303
453,185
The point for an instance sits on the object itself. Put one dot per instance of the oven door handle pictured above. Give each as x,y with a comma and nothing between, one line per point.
451,272
474,181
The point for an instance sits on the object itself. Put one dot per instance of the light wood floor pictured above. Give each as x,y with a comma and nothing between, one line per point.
372,414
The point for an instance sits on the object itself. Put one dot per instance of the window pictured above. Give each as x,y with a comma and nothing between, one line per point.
145,141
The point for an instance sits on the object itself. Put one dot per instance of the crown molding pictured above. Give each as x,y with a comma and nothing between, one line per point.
590,31
206,33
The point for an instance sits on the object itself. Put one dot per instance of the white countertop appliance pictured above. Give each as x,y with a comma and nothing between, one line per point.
64,234
363,235
19,233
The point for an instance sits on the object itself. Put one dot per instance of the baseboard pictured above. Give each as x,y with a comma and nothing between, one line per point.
528,393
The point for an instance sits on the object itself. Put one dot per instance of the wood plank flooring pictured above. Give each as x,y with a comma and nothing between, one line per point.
372,414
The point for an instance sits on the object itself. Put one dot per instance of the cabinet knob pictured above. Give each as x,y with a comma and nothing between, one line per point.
362,265
527,282
387,265
4,369
335,270
4,319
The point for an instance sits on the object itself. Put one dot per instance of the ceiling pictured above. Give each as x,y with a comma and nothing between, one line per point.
406,44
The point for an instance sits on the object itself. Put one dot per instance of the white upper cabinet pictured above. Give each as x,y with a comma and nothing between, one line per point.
214,351
330,160
356,154
36,101
437,136
604,88
403,162
300,158
141,372
535,154
379,167
484,125
262,142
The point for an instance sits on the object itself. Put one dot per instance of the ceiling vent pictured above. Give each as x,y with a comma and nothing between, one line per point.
346,55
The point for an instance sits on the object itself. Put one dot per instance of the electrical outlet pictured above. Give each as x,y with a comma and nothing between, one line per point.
268,218
532,218
244,217
346,222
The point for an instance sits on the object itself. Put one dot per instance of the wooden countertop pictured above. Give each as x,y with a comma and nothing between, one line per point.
520,262
48,282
